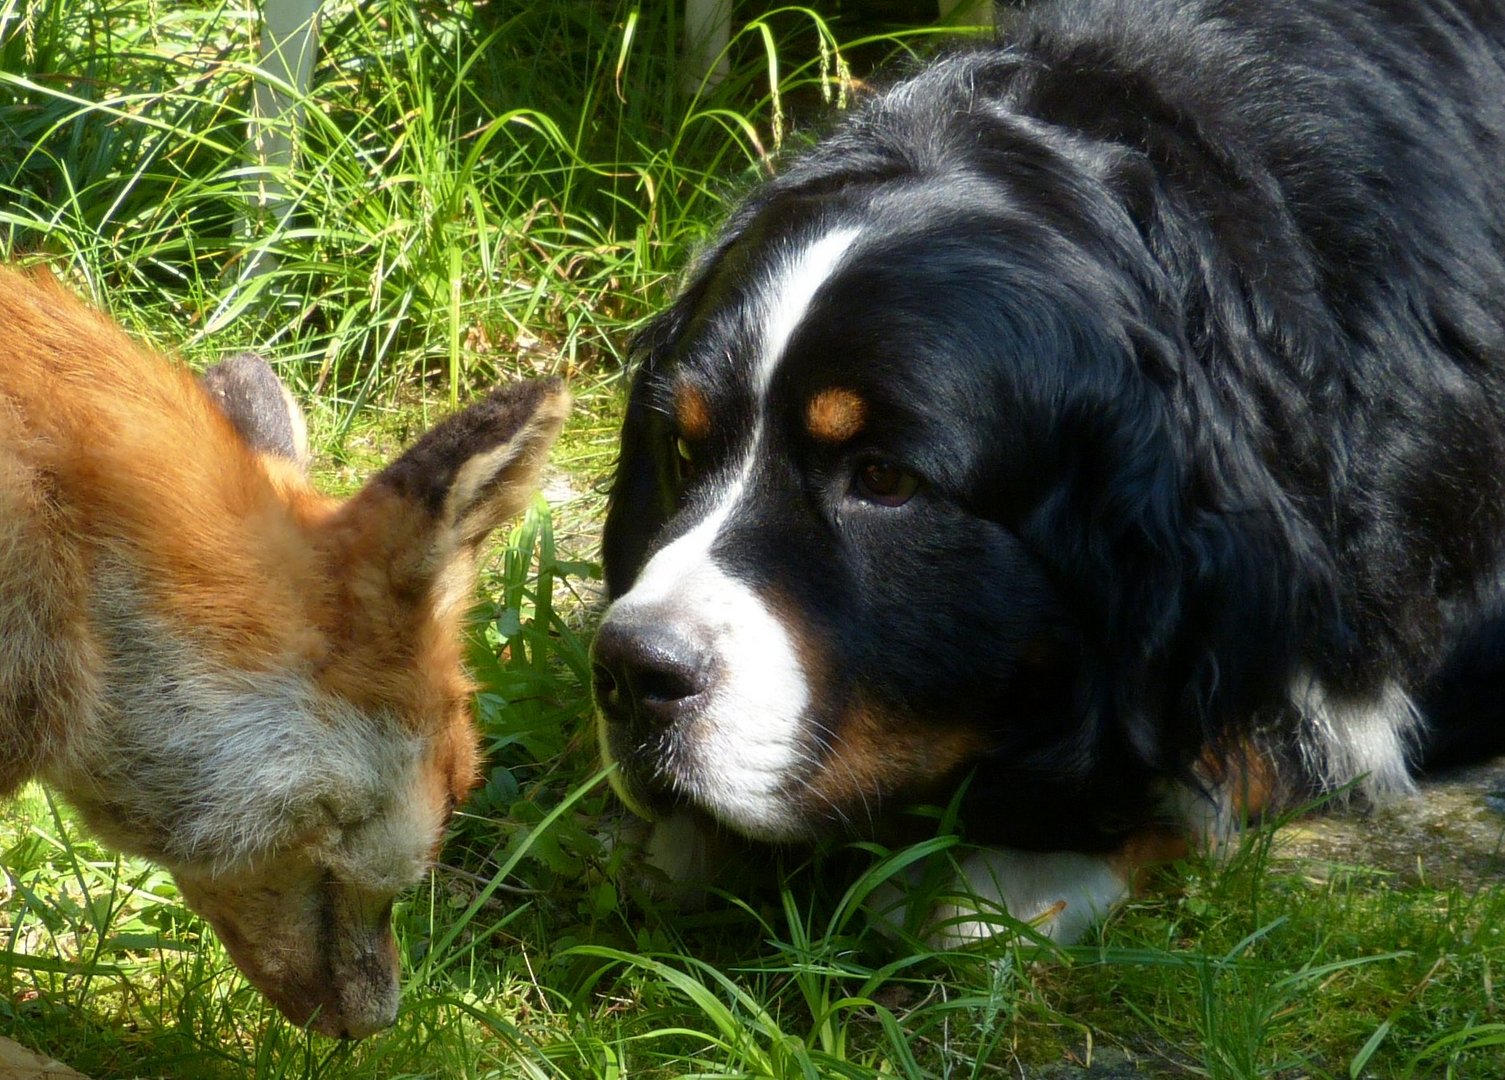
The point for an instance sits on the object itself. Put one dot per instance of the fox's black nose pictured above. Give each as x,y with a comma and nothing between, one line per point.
647,674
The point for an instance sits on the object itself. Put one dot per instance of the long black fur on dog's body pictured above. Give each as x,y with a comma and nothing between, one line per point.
1196,314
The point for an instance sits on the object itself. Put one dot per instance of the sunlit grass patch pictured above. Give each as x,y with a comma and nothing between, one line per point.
477,192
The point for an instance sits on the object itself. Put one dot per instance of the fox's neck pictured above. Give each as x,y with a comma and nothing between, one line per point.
178,519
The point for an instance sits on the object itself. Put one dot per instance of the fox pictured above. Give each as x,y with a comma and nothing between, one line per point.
256,686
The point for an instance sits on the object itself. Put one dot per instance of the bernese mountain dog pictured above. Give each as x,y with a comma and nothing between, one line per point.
1104,429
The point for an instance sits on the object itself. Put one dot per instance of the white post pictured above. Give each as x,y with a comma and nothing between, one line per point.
708,27
966,12
289,44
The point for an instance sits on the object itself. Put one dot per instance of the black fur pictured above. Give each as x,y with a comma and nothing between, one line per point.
1190,316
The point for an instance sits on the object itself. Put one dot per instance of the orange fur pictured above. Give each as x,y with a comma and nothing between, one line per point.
1245,778
874,752
691,412
223,669
835,415
136,458
1143,851
876,755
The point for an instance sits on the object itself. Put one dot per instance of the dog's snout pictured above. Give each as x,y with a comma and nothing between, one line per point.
647,673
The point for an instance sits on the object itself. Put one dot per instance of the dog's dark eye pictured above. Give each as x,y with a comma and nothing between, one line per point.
885,483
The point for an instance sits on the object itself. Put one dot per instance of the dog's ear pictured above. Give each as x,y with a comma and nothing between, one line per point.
417,524
1189,565
640,502
258,406
638,505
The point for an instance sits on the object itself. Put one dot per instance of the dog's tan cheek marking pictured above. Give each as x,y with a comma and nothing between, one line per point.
867,756
835,415
691,412
1244,778
1145,850
1258,785
1245,782
874,756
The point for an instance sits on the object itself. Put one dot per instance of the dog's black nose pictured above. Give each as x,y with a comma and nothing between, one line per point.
646,674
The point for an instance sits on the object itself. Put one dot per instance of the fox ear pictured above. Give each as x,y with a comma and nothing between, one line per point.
425,514
253,399
478,468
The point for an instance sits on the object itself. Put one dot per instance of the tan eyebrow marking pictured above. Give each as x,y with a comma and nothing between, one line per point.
834,415
691,412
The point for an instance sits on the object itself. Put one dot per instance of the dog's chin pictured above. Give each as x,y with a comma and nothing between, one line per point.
634,794
741,802
764,817
757,823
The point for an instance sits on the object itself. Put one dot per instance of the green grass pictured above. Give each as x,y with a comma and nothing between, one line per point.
487,191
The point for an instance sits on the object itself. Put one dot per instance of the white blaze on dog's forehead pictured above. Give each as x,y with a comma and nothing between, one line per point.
786,298
748,741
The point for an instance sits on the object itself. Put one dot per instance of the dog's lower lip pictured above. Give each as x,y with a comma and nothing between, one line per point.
630,779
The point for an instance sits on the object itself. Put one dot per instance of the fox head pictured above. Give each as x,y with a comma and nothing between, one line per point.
284,721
